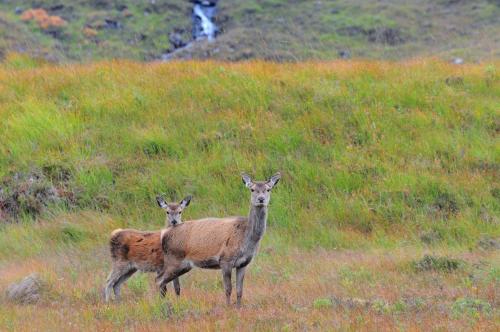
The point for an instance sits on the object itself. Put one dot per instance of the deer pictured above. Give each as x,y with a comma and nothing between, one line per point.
219,243
133,250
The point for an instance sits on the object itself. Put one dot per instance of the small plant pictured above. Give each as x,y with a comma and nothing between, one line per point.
138,284
471,307
380,306
431,237
445,204
152,148
322,303
72,233
434,263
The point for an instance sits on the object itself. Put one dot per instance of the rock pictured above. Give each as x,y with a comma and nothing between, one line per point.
26,291
457,61
112,24
175,38
344,54
56,7
488,243
18,10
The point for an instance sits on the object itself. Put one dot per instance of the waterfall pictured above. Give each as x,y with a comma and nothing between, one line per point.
203,14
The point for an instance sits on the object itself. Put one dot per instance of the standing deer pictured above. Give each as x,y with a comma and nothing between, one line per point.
219,243
133,250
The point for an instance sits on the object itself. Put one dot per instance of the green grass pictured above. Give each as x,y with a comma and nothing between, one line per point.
372,154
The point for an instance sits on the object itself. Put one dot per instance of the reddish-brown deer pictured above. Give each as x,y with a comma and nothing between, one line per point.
133,250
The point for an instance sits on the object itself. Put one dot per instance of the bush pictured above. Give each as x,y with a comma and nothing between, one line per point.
440,264
322,303
470,307
26,194
30,193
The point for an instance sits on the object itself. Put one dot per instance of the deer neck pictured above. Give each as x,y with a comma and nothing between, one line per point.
257,220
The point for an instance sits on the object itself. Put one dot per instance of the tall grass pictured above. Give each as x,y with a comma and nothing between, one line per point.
370,151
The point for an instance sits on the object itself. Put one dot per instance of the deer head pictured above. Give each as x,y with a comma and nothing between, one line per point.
260,190
173,210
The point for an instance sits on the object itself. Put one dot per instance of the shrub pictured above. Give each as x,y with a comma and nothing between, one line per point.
322,303
30,193
440,264
42,18
470,307
431,237
26,194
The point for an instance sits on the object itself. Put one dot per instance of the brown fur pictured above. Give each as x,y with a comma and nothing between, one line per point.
142,248
221,236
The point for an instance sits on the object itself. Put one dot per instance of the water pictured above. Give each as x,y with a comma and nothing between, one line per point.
203,15
204,28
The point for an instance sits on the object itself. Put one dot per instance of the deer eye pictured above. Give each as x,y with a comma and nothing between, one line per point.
168,212
252,190
268,190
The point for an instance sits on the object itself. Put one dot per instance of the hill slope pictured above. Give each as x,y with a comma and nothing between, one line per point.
268,29
364,147
382,164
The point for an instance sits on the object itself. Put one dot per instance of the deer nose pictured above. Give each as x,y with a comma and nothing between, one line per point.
261,200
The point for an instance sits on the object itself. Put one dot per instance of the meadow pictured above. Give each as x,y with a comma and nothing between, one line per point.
387,215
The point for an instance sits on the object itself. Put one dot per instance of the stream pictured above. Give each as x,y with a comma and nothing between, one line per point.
203,14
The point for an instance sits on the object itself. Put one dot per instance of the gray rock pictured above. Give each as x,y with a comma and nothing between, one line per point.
488,243
175,38
26,291
344,54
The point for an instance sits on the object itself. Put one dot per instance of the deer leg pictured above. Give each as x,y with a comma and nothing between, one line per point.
177,287
109,284
163,288
113,277
172,273
240,276
118,284
226,277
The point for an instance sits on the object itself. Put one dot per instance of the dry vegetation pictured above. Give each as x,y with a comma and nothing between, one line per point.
387,216
287,290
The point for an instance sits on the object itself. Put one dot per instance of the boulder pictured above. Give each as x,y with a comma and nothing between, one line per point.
26,291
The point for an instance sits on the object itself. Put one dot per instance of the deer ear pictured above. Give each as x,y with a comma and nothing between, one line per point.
273,180
161,202
185,202
246,180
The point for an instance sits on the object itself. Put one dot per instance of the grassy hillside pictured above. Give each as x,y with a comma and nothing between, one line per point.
266,29
381,163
